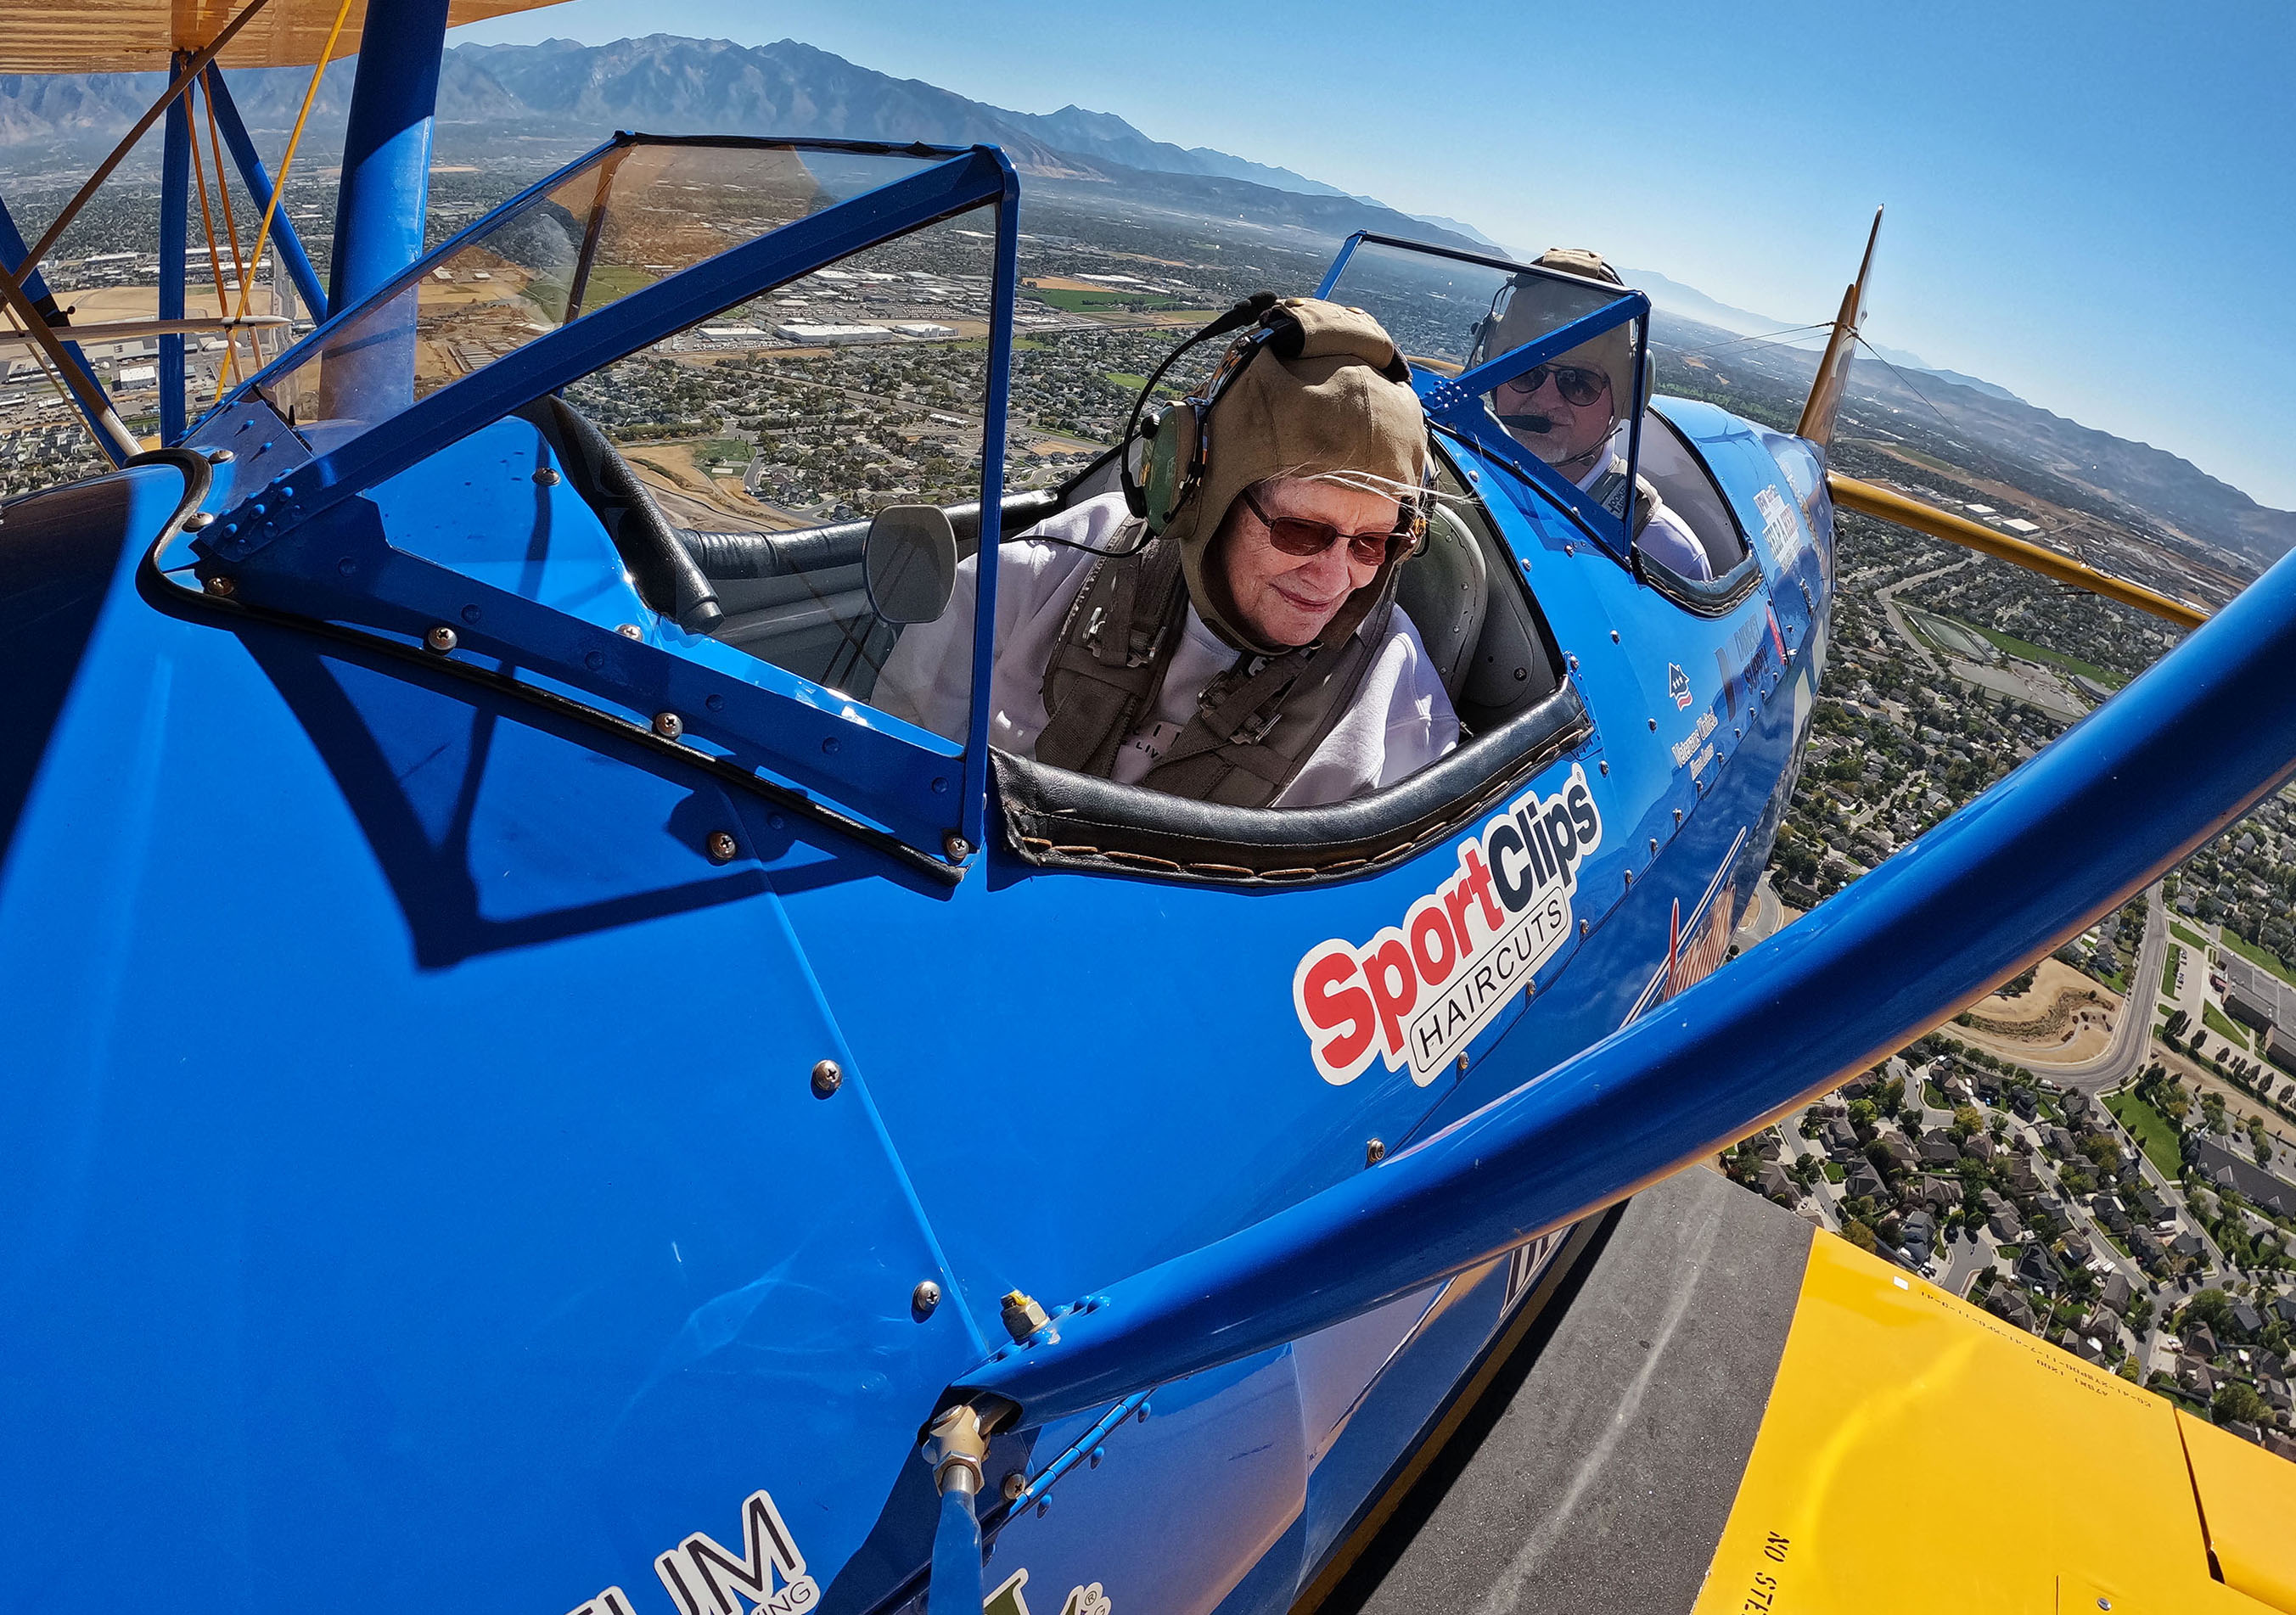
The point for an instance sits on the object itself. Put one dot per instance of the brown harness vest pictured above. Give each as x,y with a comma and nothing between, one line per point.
1256,724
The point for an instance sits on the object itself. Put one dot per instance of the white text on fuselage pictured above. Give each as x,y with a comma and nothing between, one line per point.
1415,993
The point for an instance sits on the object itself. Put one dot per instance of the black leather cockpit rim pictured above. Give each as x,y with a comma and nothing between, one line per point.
1056,819
1717,597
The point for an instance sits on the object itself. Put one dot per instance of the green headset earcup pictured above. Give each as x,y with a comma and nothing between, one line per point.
1170,447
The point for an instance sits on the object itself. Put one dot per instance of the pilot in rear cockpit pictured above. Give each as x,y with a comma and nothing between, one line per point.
1571,412
1225,627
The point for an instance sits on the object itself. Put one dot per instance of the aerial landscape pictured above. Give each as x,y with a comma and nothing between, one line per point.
2100,1152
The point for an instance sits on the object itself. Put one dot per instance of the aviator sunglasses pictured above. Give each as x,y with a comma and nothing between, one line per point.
1577,385
1295,536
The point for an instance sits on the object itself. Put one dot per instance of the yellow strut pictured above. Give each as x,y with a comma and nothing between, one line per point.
1868,500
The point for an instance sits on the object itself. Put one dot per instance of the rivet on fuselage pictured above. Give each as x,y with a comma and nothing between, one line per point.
1678,816
1584,927
668,725
441,639
1615,636
1604,767
1653,724
722,846
546,477
924,1298
222,588
828,1076
1374,1151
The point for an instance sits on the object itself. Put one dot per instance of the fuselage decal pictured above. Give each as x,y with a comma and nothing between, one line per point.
1415,993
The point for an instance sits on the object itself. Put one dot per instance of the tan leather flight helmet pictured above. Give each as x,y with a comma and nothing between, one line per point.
1314,391
1529,306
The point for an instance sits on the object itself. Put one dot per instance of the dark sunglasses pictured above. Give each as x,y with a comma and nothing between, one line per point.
1577,385
1295,536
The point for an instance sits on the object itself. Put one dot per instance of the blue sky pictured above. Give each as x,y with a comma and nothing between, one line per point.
2089,204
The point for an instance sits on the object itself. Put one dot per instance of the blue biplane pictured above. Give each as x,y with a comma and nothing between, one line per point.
526,1091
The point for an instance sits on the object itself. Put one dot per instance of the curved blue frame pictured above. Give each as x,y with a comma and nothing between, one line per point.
299,544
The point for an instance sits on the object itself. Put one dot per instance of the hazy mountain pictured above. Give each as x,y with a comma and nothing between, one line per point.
561,96
1107,137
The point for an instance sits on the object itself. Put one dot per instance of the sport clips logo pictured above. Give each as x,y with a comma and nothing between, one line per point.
1417,993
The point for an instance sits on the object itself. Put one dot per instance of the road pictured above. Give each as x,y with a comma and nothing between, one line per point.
1888,598
2132,1034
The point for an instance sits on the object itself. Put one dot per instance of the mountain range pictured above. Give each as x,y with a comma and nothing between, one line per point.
558,97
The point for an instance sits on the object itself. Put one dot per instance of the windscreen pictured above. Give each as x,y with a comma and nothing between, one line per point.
631,216
1452,314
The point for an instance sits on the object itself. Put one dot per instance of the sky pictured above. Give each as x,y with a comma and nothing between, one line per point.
2088,204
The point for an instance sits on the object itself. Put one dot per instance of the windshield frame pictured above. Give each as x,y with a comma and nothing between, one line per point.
1458,403
277,541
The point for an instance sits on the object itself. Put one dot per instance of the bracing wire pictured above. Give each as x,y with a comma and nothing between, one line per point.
1901,374
207,218
279,185
222,194
1708,352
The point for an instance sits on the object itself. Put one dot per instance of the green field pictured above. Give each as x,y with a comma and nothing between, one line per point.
732,450
2254,955
2187,937
2169,968
1100,302
2030,652
2223,1025
2151,1131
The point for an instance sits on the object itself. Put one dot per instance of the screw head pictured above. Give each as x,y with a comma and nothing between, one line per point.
722,846
668,725
956,847
220,456
199,521
222,588
546,477
924,1298
828,1076
629,630
1605,766
1615,636
1374,1151
1015,1483
441,639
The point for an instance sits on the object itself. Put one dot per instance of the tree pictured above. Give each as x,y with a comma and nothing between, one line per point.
1892,1096
2199,1040
2212,1307
2174,1027
1966,1121
1858,1235
2236,1400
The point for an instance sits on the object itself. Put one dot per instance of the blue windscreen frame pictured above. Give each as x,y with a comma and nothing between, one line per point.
1455,403
284,543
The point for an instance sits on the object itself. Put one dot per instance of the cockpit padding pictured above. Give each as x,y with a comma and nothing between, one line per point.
666,576
1445,590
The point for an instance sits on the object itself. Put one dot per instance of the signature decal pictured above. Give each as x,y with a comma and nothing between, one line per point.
768,1579
1416,993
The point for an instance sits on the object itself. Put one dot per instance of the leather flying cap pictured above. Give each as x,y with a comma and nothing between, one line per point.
1330,397
1535,307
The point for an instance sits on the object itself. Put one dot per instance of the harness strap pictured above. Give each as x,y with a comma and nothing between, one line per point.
1108,664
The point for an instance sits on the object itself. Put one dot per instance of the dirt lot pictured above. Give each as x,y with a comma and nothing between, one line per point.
2053,1022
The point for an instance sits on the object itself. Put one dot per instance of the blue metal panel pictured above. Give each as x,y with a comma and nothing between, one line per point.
2177,756
386,184
487,1228
174,219
257,180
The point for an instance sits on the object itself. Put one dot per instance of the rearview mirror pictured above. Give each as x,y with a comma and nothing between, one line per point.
909,562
